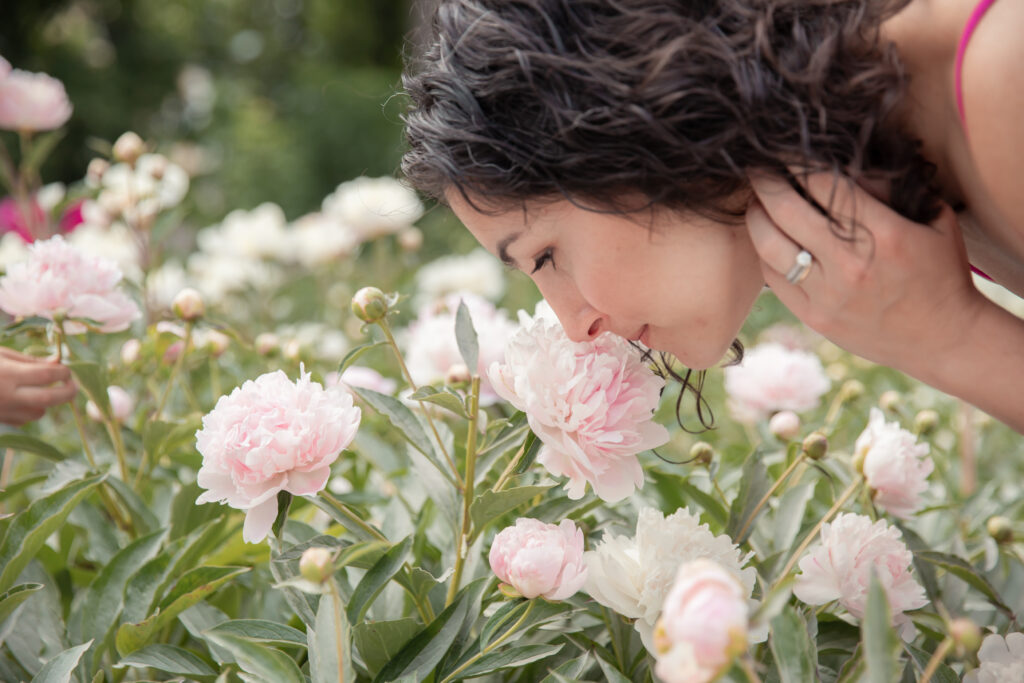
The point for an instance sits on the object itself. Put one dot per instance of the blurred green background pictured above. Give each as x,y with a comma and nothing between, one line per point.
267,100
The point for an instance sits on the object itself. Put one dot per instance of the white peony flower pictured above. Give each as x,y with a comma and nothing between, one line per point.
1001,659
12,250
896,466
114,242
317,239
374,206
254,235
477,272
632,576
772,377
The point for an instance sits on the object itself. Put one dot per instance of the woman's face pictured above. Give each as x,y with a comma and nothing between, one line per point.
678,284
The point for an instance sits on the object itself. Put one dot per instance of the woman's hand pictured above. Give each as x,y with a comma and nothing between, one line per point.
29,385
894,291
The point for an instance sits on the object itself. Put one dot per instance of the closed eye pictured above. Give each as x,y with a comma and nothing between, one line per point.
548,255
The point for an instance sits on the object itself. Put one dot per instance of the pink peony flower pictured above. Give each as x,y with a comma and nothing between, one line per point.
59,280
772,377
706,613
121,405
270,435
1001,660
540,559
840,567
432,349
591,403
896,467
32,101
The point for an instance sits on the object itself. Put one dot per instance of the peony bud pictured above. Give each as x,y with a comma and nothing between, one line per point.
370,305
966,636
266,343
174,351
1000,529
130,351
129,147
890,401
785,425
216,342
410,239
188,304
815,445
316,565
121,405
851,390
457,374
94,172
925,422
702,453
291,349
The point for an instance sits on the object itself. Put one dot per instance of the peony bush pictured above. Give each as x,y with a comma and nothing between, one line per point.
324,448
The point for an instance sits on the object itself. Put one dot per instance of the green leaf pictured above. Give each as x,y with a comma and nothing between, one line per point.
40,148
356,352
401,417
426,649
504,658
509,614
93,380
878,638
374,581
160,438
264,663
334,509
792,506
611,674
27,532
60,668
284,504
169,658
330,643
192,587
792,648
489,505
754,484
569,671
30,444
379,641
679,492
10,600
943,674
465,336
262,631
142,517
964,571
446,400
418,582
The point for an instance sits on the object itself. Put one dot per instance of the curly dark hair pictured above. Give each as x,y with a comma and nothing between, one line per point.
519,101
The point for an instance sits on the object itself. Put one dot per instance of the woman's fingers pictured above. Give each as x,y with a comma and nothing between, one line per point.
38,372
37,397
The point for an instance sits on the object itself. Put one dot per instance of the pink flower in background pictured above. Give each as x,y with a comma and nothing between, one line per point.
359,376
771,378
539,559
270,435
121,405
896,466
12,218
591,403
31,101
59,280
840,567
706,613
1001,660
432,349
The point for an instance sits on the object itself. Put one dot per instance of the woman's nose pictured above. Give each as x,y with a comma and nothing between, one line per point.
580,320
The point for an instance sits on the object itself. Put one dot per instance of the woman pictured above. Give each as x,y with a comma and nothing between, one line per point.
652,164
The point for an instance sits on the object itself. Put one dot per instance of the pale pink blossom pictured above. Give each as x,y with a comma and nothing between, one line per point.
539,559
772,377
681,665
840,567
896,466
707,612
431,348
121,405
590,403
31,101
1001,660
58,280
785,425
270,435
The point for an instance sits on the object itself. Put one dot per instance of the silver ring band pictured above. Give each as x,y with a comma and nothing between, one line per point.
801,267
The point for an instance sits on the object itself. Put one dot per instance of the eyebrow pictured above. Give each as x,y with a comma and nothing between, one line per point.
503,246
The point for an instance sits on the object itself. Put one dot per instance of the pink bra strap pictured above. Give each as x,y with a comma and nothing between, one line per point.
972,23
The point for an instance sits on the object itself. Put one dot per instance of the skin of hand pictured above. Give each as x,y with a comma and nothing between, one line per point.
897,292
30,385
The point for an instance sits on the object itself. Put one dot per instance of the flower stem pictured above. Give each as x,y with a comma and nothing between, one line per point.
937,658
507,473
383,323
761,503
850,490
353,517
174,372
337,614
747,664
491,646
467,492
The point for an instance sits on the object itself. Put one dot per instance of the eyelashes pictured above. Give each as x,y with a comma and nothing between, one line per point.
547,256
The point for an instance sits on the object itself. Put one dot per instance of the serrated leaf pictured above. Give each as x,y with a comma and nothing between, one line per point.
30,444
192,587
465,337
265,663
60,668
504,658
355,353
794,653
379,641
27,532
375,579
262,631
489,505
10,600
878,638
754,484
330,643
426,649
964,571
169,658
93,381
